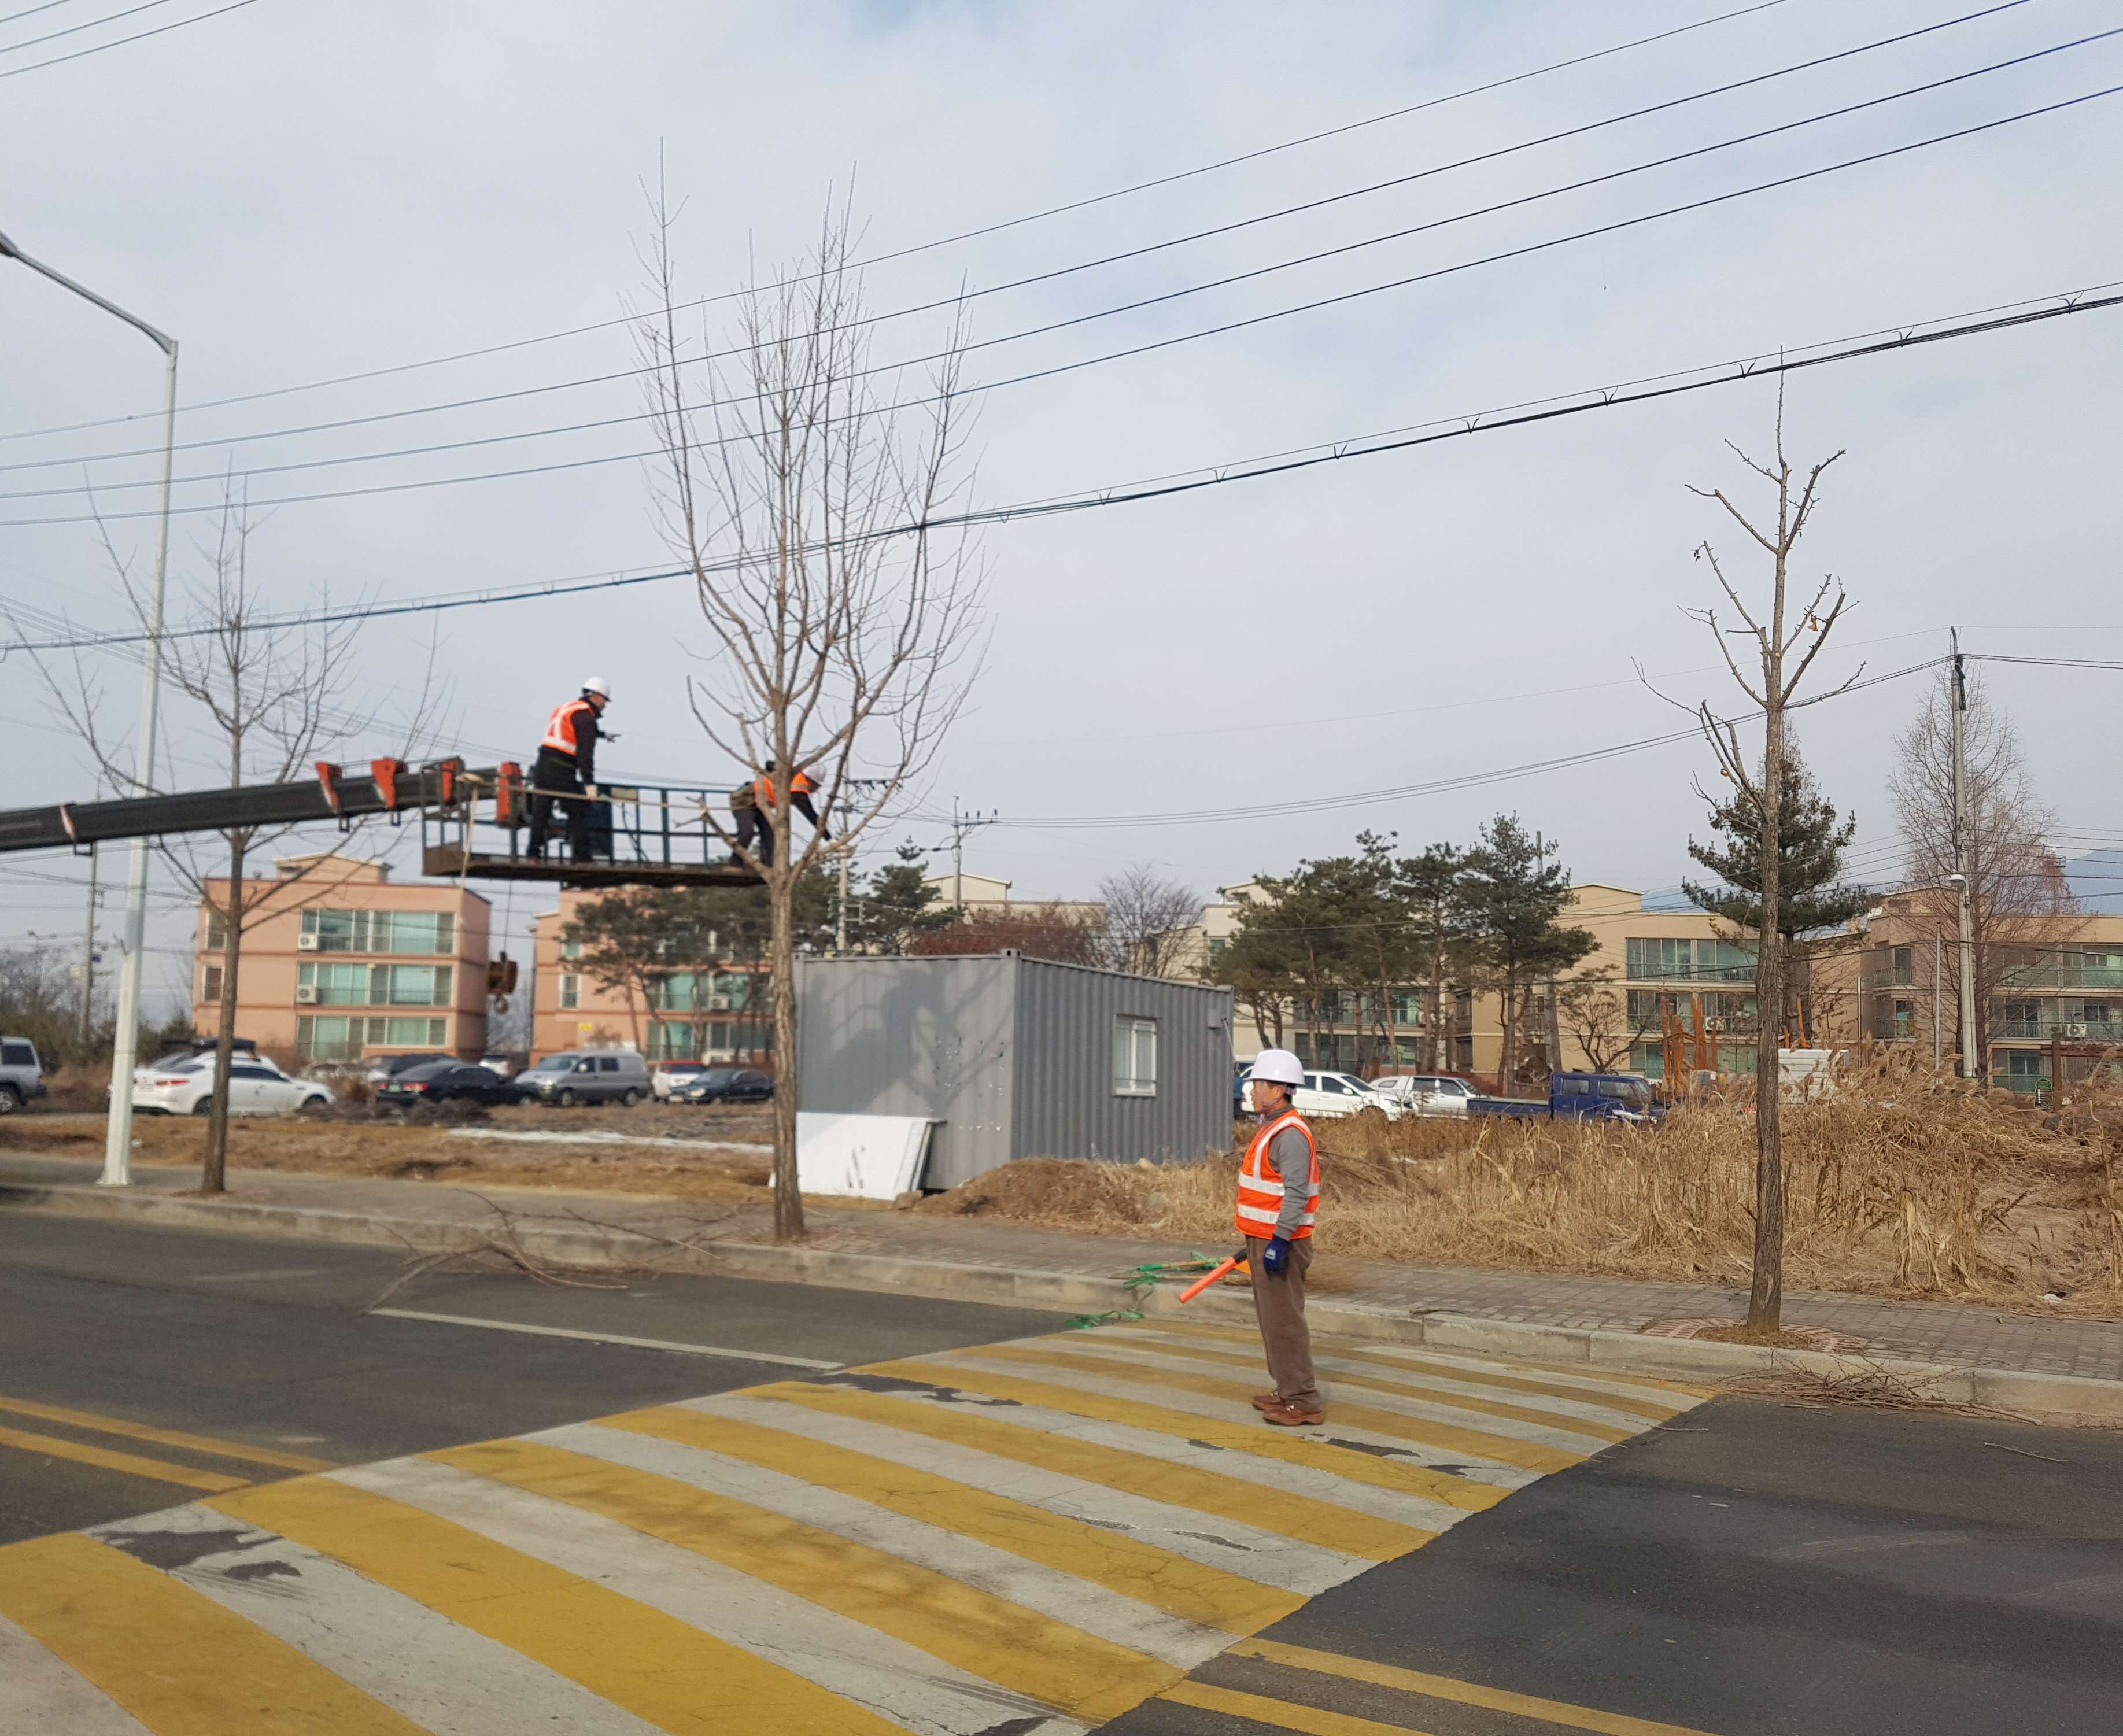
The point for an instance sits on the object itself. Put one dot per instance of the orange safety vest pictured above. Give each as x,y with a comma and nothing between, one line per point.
560,728
800,785
1260,1186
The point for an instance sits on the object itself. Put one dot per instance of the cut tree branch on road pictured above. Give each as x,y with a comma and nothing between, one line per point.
842,633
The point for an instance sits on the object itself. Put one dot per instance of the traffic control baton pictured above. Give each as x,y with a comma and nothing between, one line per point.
1200,1284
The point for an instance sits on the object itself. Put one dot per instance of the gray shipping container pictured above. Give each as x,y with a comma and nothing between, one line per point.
1017,1057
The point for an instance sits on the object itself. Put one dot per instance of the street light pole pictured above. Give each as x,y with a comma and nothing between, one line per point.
1959,875
118,1139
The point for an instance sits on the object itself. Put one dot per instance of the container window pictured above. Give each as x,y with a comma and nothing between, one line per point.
1135,1057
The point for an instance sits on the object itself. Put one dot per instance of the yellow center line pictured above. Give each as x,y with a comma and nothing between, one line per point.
166,1437
662,1670
1465,1693
1303,1517
176,1659
162,1471
1279,1715
1262,1442
1503,1448
1126,1564
981,1633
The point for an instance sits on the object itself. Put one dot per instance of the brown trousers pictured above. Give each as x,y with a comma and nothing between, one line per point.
1279,1306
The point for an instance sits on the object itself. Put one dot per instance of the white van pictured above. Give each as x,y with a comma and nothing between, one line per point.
587,1076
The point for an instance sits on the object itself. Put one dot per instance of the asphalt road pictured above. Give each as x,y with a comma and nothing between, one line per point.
247,1343
1758,1567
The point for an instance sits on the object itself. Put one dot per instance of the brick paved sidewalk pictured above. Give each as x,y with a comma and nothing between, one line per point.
1959,1334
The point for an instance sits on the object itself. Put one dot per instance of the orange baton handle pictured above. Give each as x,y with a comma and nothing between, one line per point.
1202,1284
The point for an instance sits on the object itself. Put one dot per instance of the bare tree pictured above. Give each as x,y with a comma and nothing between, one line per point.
1593,1010
1148,919
1787,639
2018,901
842,624
271,697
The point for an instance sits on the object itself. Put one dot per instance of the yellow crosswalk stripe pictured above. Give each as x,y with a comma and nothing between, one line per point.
1183,1485
1278,1714
165,1437
1648,1383
1652,1409
1465,1693
1293,1449
177,1661
1123,1564
1414,1388
657,1667
986,1636
1504,1449
161,1471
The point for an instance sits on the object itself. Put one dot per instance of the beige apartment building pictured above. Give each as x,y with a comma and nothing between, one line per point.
339,963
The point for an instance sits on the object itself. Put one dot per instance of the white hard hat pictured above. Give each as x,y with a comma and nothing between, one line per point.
597,684
1278,1067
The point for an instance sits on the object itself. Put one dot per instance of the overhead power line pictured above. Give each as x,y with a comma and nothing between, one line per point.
139,36
1163,343
1728,374
75,30
950,241
1084,265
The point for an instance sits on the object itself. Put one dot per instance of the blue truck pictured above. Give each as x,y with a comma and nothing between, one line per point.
1611,1096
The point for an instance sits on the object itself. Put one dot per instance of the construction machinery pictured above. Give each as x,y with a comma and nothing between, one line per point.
471,819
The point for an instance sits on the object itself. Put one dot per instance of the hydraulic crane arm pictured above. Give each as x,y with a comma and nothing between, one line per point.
389,787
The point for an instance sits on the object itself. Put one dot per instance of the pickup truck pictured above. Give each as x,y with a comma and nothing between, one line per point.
1618,1097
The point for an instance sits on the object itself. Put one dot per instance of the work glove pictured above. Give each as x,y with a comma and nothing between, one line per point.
1275,1257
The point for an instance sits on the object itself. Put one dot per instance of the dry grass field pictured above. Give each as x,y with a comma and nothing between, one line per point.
1900,1184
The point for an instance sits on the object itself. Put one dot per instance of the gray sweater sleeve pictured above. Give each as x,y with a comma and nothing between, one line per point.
1293,1157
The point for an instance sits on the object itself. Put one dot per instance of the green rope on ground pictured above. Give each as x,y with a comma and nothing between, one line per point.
1138,1284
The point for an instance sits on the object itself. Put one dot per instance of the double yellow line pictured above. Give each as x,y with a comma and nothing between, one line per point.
136,1464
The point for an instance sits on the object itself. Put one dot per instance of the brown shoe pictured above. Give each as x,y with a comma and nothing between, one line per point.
1287,1417
1267,1401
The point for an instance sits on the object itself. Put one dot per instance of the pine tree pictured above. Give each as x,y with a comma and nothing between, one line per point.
1811,840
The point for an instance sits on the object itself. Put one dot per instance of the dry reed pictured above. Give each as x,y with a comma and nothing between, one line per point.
1901,1184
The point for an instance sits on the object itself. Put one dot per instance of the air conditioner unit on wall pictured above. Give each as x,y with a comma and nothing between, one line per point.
306,943
718,1003
2073,1032
305,995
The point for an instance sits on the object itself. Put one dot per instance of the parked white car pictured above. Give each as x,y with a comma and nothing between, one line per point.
666,1077
184,1085
1330,1094
1427,1093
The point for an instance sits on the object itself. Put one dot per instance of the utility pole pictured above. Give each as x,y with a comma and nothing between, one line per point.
1937,971
88,959
961,824
1961,860
840,927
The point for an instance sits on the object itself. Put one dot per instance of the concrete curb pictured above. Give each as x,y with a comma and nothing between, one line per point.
1695,1361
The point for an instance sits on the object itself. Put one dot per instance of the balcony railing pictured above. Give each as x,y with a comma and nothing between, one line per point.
2071,1031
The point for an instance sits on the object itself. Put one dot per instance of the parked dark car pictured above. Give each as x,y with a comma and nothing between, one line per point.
389,1067
438,1082
724,1085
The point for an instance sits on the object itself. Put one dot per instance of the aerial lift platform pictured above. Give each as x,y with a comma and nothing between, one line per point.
471,822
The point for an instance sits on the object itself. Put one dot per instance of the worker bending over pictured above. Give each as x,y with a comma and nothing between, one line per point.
567,768
1278,1201
751,806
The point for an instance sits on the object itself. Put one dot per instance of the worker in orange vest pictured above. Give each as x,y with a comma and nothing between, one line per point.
755,827
566,767
1278,1202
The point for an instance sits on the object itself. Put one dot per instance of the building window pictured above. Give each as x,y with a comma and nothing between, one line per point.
210,989
1906,965
409,985
1135,1057
335,1038
571,949
672,1040
333,985
217,932
1659,958
571,991
380,931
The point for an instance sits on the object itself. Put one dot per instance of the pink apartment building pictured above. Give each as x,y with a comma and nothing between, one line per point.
339,963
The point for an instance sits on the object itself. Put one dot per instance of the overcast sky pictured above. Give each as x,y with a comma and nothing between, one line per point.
301,191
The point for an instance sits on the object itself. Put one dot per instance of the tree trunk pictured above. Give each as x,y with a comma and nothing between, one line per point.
1508,1007
1765,1298
781,976
214,1170
1434,1013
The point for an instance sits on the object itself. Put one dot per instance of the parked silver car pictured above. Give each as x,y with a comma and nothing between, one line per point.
1431,1093
587,1076
21,1073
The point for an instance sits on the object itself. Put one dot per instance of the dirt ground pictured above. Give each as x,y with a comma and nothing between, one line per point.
728,1156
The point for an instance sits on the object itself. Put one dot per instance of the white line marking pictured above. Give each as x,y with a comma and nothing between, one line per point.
639,1344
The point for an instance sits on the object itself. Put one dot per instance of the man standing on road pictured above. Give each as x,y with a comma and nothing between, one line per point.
566,766
1279,1201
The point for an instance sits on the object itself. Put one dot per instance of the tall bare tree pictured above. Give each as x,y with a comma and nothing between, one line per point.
1593,1010
2020,910
1148,919
1786,639
269,699
842,624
